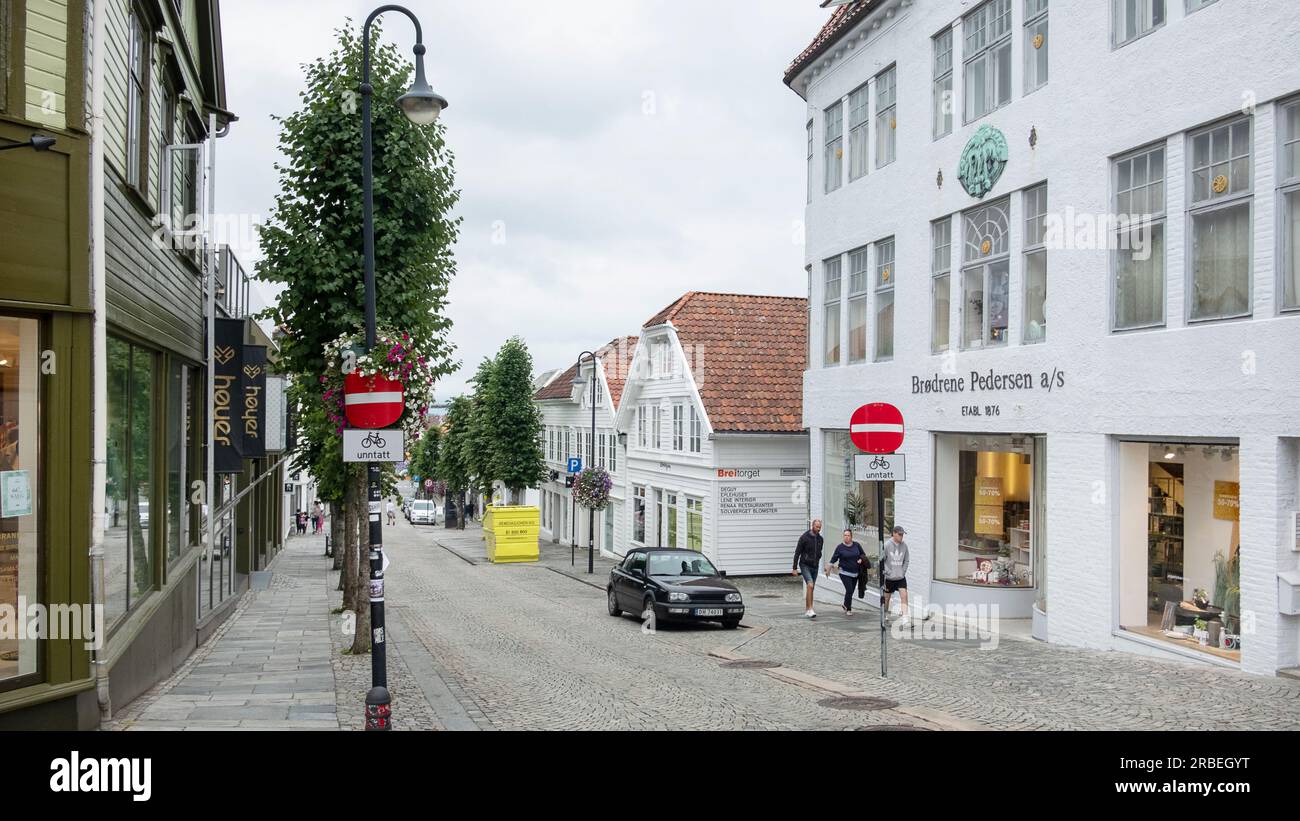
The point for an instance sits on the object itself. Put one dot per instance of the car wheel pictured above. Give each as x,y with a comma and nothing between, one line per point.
648,606
614,609
730,624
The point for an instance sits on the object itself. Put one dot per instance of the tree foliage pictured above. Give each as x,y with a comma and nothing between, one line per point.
515,421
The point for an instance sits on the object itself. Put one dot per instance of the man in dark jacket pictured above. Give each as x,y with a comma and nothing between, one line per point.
807,561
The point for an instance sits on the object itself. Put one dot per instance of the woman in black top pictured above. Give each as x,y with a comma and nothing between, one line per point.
852,562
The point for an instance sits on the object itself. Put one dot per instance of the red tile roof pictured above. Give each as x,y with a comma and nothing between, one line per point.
616,358
747,354
841,20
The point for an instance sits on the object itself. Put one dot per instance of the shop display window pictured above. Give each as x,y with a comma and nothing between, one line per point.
846,502
20,531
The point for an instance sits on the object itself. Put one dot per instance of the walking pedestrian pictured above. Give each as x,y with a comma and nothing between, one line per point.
893,571
469,509
853,564
319,517
392,513
302,523
807,560
313,519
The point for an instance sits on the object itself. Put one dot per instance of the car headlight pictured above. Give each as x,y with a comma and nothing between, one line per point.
733,598
679,597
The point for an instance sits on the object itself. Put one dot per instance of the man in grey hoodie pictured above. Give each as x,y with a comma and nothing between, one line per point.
894,571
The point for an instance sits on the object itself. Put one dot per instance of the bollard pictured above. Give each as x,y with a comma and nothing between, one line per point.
329,547
379,710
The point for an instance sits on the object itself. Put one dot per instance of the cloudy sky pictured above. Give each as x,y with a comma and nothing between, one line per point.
611,155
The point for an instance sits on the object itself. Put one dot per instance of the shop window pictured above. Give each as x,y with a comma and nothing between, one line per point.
20,477
846,502
1289,127
661,520
859,119
1035,274
986,277
984,505
987,58
859,290
1035,44
1139,285
694,524
831,346
670,527
638,514
886,117
942,94
834,152
941,285
885,276
1132,19
1180,542
1221,221
128,544
177,524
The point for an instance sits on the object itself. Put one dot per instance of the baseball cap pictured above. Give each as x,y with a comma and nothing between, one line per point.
900,531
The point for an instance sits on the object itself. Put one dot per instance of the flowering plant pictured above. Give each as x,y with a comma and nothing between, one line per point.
396,356
591,489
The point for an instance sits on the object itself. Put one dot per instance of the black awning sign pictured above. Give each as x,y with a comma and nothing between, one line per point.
228,395
253,410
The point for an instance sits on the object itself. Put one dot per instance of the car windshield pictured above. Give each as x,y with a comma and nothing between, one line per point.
680,564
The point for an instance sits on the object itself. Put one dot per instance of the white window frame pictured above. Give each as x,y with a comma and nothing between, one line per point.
1156,219
940,268
694,507
1198,208
1033,247
1146,12
942,99
657,426
988,13
642,425
1288,185
859,298
1197,5
679,427
833,284
697,431
138,67
1036,23
811,153
639,494
672,525
859,126
833,151
986,264
885,254
886,84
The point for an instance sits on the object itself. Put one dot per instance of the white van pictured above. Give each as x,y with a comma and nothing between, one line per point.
423,512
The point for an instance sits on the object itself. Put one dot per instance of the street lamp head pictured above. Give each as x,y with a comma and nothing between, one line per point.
421,104
41,142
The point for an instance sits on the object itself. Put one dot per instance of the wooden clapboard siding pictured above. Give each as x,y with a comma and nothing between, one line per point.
46,62
115,83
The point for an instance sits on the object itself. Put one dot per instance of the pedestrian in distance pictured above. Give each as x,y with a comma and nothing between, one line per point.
469,509
852,562
807,560
392,512
319,517
893,572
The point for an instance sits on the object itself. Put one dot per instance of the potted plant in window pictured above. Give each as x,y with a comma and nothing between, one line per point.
1227,594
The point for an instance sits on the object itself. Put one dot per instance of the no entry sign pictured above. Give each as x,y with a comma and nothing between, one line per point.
877,428
372,402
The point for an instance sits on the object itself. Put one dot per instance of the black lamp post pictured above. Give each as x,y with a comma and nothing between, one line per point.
591,512
422,107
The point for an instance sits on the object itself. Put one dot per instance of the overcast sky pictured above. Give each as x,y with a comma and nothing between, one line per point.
611,155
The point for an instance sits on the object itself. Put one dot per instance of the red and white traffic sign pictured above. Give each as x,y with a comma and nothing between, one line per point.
372,402
877,428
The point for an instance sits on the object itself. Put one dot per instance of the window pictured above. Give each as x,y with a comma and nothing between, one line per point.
178,394
638,514
859,147
886,116
601,452
943,83
670,522
1035,276
1135,18
679,427
1139,296
642,439
846,502
859,288
1036,45
1289,173
941,284
696,431
831,344
808,328
660,362
568,445
1220,212
128,546
694,524
1197,5
834,157
613,451
657,427
987,58
986,276
20,499
137,109
885,300
810,161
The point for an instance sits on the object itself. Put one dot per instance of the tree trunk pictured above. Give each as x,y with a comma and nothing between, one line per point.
336,534
349,545
361,641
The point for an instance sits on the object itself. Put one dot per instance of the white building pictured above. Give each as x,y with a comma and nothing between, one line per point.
717,458
1095,409
566,419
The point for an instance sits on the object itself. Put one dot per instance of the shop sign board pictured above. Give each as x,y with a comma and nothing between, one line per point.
383,446
228,396
1227,501
877,428
252,415
880,468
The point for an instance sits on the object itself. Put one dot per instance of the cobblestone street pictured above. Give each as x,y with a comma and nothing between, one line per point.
474,646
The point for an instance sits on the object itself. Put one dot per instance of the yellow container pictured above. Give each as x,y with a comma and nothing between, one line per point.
511,534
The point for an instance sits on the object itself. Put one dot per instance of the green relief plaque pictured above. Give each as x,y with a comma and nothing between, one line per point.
982,161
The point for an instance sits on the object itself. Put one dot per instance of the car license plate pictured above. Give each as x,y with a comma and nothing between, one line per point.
707,613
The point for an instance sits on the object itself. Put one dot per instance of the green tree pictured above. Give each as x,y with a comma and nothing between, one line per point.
424,457
479,443
452,467
515,421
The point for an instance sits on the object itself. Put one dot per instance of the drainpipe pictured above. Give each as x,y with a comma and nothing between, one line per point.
99,355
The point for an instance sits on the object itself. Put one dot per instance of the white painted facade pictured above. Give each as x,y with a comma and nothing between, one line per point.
1218,384
740,498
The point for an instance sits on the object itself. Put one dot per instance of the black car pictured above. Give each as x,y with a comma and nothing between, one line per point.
677,585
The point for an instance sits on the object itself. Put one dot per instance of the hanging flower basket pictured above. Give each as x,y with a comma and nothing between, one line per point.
591,489
396,356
